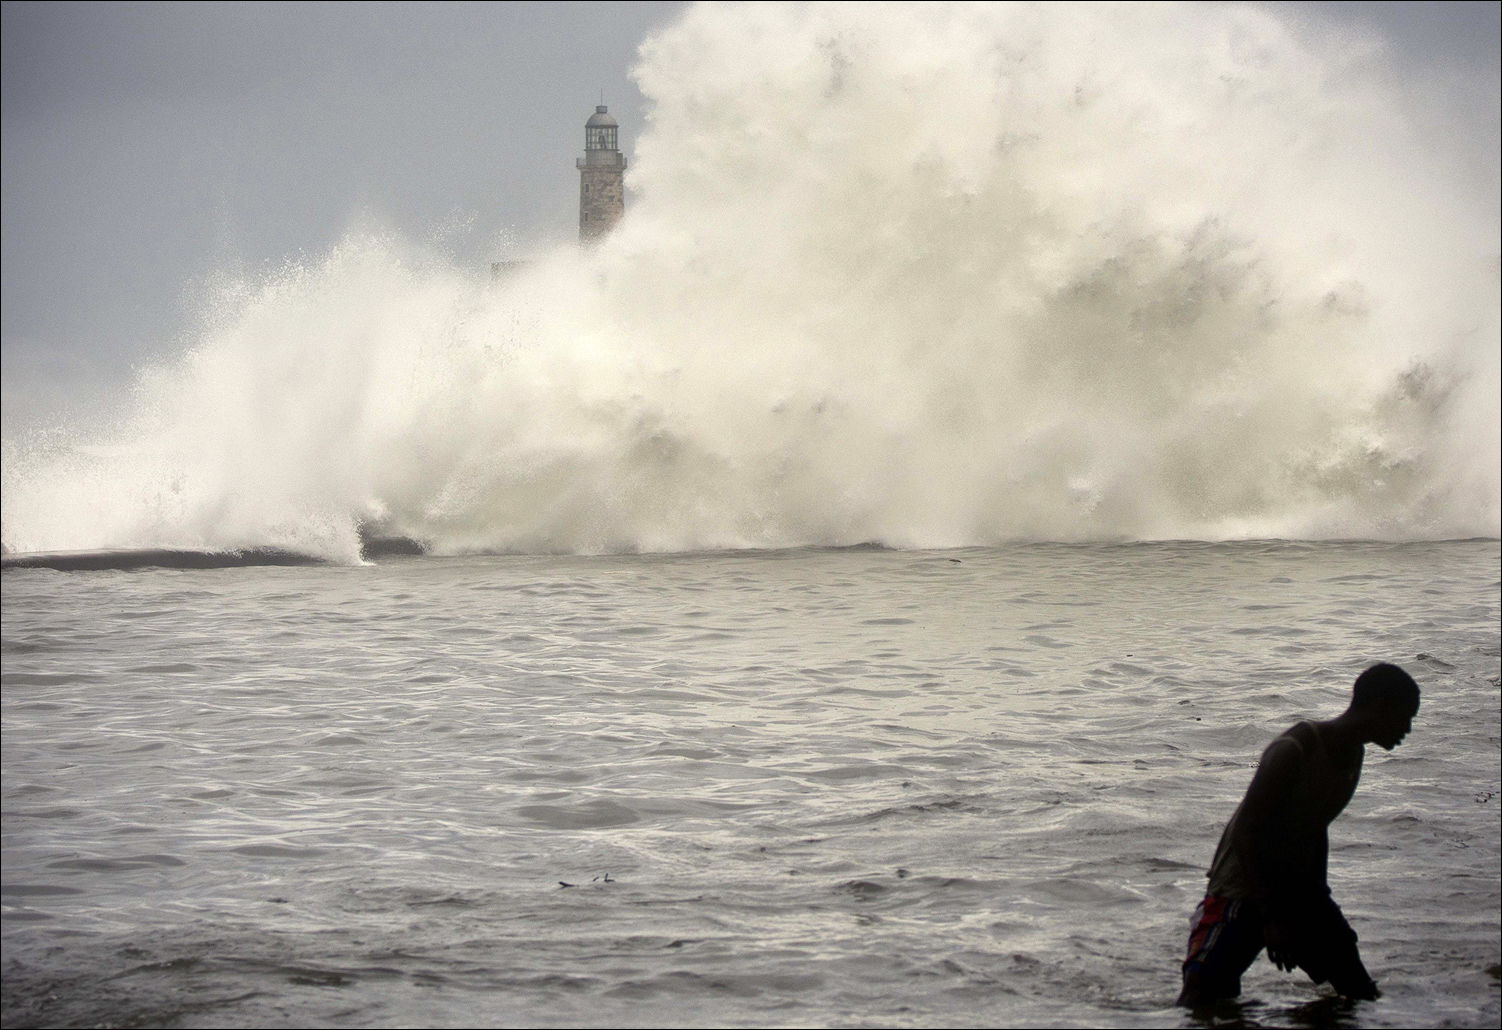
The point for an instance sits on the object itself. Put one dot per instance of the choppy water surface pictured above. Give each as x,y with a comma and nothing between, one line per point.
836,787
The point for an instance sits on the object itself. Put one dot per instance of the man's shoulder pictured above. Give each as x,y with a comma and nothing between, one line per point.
1303,734
1292,744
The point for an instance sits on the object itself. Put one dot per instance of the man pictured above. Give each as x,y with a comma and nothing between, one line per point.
1267,880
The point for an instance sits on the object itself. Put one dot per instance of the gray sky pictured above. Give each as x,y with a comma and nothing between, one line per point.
149,146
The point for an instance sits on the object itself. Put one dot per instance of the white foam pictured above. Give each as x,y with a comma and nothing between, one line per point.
926,276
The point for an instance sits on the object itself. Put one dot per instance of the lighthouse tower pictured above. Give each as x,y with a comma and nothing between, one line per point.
602,188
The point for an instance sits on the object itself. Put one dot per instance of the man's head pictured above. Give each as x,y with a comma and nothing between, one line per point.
1387,699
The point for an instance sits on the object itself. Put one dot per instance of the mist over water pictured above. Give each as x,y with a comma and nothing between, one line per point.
928,276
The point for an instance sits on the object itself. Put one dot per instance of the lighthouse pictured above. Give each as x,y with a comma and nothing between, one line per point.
602,187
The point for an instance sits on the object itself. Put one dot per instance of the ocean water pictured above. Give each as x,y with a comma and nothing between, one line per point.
843,787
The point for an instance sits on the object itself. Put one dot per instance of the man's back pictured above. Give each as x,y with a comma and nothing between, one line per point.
1281,827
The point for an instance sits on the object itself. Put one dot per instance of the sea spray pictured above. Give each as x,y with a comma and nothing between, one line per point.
924,275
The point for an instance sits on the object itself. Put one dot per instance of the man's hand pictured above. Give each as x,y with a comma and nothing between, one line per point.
1279,941
1337,961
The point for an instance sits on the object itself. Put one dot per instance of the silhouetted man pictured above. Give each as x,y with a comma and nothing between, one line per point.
1267,880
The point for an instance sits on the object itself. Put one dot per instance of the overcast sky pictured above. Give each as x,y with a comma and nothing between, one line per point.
149,146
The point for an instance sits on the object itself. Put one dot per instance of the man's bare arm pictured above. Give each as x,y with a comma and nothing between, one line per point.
1260,833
